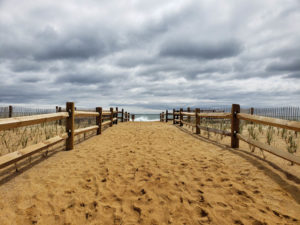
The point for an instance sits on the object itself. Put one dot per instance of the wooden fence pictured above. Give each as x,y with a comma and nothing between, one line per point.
184,117
103,118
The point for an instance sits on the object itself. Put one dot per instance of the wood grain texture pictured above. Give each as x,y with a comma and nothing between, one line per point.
111,116
188,114
70,126
86,114
106,123
216,115
197,110
86,129
106,113
235,125
287,124
99,120
15,122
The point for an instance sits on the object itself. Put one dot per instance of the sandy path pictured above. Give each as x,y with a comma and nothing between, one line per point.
149,173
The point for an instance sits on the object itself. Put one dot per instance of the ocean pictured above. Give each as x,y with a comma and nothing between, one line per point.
146,117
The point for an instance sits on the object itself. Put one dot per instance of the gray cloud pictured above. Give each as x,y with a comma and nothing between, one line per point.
149,56
293,75
83,79
25,65
204,50
289,66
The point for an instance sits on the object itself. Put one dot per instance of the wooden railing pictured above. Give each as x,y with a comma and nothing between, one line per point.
184,117
103,118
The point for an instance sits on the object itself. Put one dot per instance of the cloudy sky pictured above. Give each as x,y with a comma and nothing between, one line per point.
150,55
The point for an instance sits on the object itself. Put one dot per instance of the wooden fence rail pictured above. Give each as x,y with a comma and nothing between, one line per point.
235,116
15,122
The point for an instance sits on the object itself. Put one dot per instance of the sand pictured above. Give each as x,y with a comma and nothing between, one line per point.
150,173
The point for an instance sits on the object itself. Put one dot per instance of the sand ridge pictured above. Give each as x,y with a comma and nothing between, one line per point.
149,173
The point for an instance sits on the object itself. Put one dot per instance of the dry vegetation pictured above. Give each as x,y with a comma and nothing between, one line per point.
280,138
14,139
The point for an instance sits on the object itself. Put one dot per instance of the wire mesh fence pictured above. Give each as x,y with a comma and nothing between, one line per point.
280,138
287,113
14,139
4,112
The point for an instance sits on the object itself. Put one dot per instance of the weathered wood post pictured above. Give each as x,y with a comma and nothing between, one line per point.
70,125
189,117
235,124
56,110
122,119
181,116
111,116
166,116
163,117
251,112
174,116
197,111
117,114
60,121
99,120
129,117
125,119
10,111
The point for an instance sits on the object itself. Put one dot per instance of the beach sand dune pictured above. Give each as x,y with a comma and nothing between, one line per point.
150,173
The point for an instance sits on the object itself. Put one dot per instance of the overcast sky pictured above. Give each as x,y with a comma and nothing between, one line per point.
144,55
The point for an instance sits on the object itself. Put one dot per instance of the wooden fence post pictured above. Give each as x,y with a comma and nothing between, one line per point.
70,125
166,116
99,120
111,116
251,112
10,111
132,117
197,111
129,117
189,118
56,110
174,116
117,114
235,123
60,121
122,119
125,117
181,116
